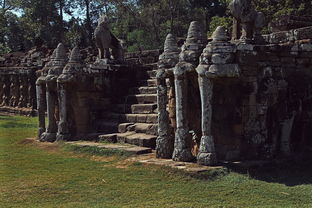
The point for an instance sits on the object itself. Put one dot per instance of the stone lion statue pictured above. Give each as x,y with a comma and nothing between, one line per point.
105,41
252,21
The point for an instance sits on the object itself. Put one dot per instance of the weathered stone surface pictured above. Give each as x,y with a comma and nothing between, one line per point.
105,40
118,147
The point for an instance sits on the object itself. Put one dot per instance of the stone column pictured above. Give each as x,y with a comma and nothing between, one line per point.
165,139
6,91
41,101
164,142
51,98
67,86
41,96
207,153
182,150
57,65
63,131
22,101
31,92
188,60
2,83
215,62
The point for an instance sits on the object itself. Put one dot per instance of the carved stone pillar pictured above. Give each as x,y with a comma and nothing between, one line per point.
41,101
14,91
216,61
182,149
23,89
55,70
167,60
6,91
31,92
67,86
2,83
188,60
41,96
207,153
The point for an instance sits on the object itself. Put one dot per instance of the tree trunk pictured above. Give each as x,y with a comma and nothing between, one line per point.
88,21
61,21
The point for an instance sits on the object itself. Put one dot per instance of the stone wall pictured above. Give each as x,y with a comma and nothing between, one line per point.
18,71
255,98
17,90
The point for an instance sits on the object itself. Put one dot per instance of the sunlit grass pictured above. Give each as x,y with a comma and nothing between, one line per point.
33,176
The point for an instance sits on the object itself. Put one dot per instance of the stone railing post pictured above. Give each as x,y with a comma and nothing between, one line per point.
55,70
167,60
41,96
65,82
188,60
216,61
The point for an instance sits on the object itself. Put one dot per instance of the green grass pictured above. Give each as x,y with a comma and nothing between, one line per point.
38,176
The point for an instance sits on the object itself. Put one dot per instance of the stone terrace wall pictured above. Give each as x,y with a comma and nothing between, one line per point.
18,73
267,111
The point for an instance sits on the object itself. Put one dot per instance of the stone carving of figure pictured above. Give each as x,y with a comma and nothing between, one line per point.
23,89
31,92
6,91
1,89
14,91
252,21
105,40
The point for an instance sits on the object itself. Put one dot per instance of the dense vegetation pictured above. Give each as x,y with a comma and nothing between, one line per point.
143,24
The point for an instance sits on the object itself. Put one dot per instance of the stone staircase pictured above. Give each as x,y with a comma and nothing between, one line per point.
133,119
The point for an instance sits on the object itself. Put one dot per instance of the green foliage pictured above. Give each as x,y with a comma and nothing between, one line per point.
143,24
219,21
4,49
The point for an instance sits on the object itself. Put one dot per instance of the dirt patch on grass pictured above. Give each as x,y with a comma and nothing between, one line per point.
50,147
56,148
132,160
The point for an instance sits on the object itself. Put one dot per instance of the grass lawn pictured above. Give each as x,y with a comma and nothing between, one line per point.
48,176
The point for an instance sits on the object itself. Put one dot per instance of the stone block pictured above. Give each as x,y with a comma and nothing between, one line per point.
222,58
225,70
281,37
303,33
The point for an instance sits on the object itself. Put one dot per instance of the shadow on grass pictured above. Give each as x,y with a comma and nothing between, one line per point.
289,173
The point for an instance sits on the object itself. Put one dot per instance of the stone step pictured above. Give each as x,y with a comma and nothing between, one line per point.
152,74
144,128
139,99
143,90
132,149
143,108
148,82
130,118
139,139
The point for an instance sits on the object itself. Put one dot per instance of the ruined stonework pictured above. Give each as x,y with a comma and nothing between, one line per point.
188,60
167,60
67,87
250,20
52,95
105,41
245,97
